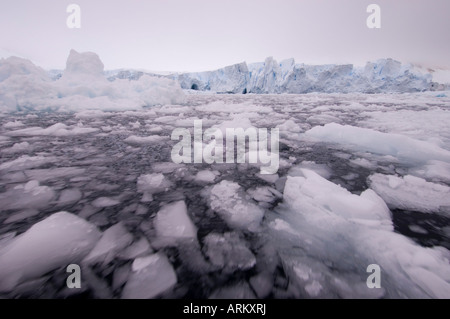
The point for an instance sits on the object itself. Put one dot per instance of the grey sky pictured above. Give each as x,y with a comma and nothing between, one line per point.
195,35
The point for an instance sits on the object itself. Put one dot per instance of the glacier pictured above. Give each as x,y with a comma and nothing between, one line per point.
271,77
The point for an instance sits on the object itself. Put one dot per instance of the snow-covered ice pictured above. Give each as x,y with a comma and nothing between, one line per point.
113,240
172,223
57,241
411,193
228,252
228,200
150,276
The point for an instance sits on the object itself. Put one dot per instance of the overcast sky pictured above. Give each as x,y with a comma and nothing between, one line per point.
195,35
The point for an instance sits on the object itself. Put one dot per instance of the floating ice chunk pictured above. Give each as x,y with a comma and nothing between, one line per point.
228,200
13,124
105,202
152,184
427,124
173,109
58,129
241,290
17,147
237,122
69,196
166,167
364,163
43,175
411,193
120,276
150,276
289,126
172,222
220,106
317,219
206,176
5,239
337,200
262,284
26,162
21,216
264,194
322,119
141,140
135,125
321,169
228,252
417,229
113,240
362,139
269,178
434,171
57,241
137,249
29,195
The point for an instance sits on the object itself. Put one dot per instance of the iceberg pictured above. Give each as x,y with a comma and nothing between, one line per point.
82,86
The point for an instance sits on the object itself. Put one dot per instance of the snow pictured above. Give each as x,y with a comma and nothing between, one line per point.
57,241
113,240
227,200
172,223
411,193
82,86
228,252
150,276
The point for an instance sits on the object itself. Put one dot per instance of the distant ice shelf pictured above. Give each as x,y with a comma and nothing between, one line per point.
382,76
